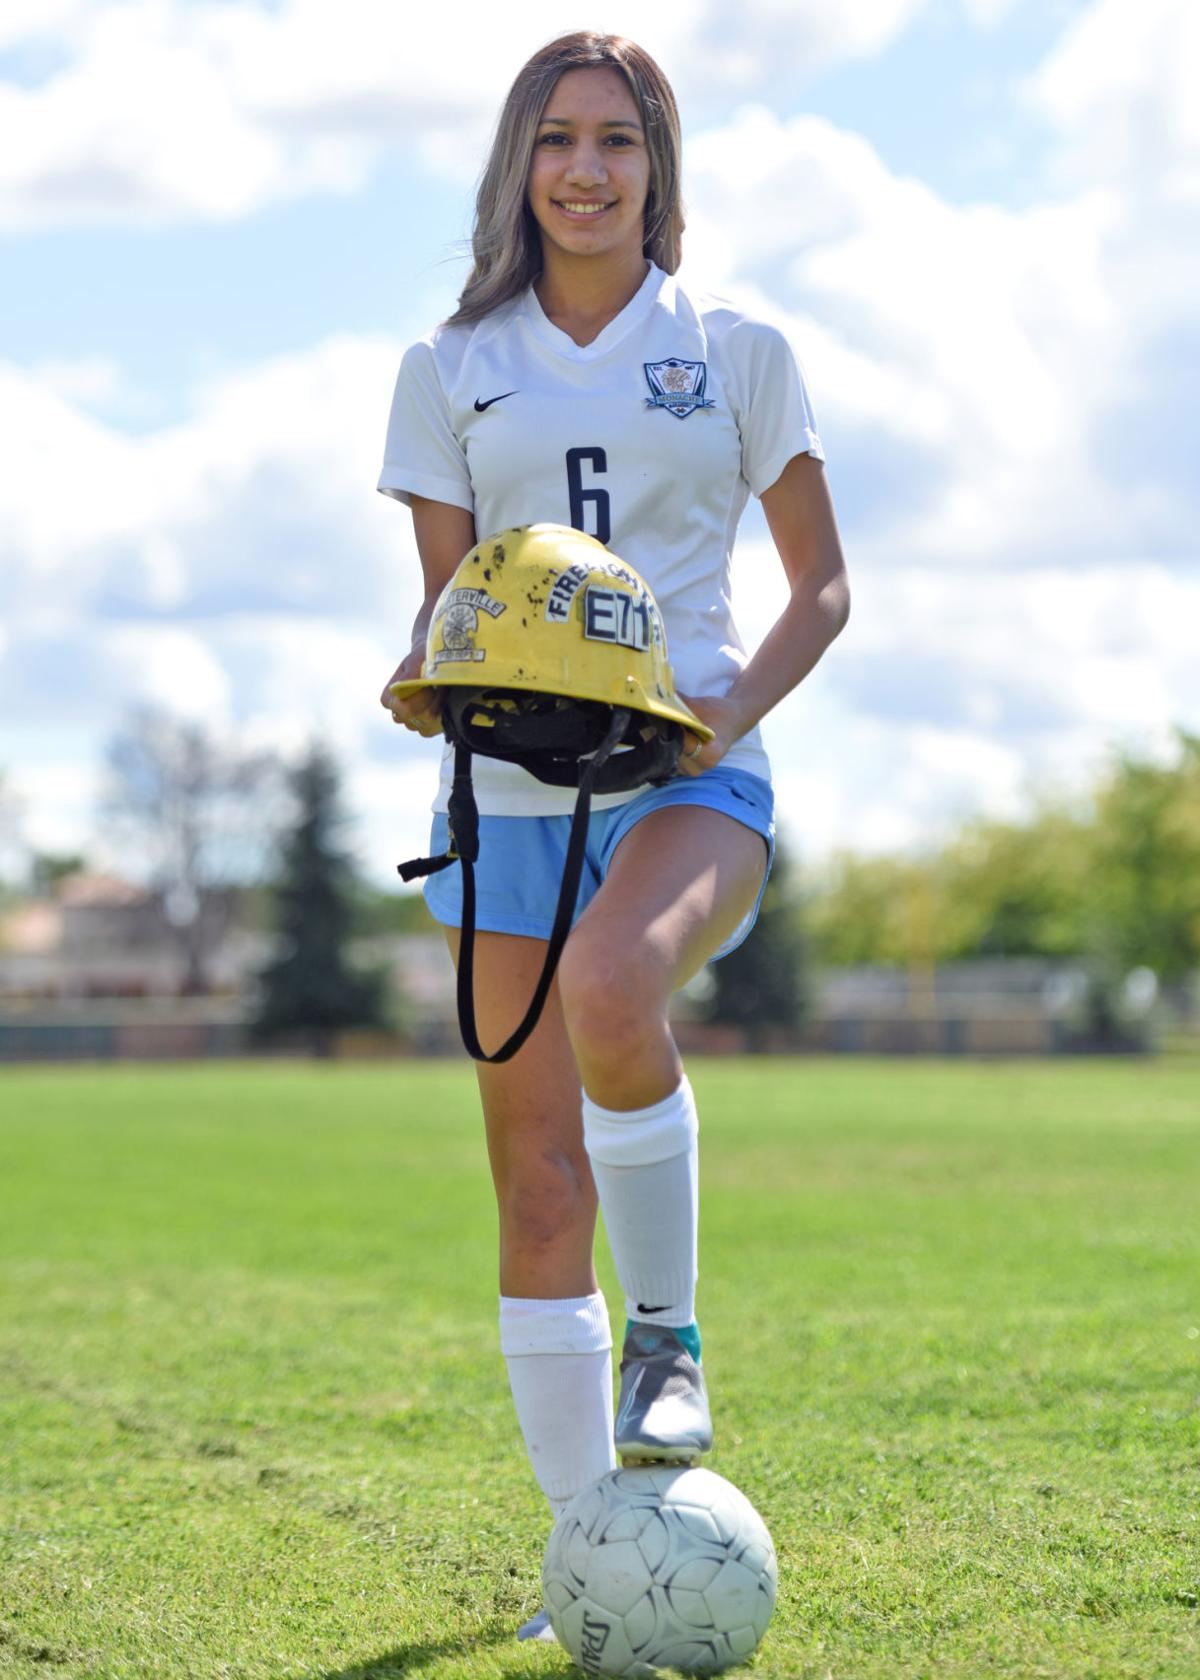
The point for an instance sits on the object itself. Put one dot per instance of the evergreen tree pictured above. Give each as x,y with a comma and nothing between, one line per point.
309,991
760,985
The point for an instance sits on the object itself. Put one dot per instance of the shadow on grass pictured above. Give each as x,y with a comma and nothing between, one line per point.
411,1659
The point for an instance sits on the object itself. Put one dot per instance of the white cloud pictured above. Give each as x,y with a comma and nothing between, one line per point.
145,126
863,784
168,668
958,692
955,689
22,21
1119,89
1120,84
296,675
1026,588
262,496
60,801
178,110
391,805
81,379
987,354
237,568
1038,657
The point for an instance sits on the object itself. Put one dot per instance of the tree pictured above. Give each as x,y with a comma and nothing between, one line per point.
859,910
382,911
1113,881
1016,890
309,990
196,816
760,984
1146,862
47,869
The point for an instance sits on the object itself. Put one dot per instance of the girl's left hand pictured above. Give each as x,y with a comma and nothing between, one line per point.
724,719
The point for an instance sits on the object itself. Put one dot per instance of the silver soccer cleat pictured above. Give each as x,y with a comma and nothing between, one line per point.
662,1415
538,1628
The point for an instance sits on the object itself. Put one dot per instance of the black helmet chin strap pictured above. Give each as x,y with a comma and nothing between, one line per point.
464,830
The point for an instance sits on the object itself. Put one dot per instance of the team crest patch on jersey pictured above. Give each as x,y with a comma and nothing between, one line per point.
677,385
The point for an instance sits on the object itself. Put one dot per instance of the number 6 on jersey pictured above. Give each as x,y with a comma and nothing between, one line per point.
598,461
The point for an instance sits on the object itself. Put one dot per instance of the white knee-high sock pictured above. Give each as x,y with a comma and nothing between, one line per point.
644,1161
559,1362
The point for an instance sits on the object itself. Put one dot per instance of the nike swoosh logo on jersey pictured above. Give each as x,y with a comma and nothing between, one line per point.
480,406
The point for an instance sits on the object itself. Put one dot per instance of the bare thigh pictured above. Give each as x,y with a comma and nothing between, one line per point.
679,885
531,1109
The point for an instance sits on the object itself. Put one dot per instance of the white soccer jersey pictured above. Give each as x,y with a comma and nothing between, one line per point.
650,438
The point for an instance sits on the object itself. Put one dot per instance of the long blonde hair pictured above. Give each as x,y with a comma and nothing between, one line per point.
506,242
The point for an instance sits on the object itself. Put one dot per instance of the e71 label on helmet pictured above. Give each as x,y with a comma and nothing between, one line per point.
610,615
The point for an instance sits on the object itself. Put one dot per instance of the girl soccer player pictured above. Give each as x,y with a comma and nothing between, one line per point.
579,383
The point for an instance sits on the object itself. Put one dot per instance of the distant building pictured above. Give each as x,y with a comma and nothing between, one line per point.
101,936
98,970
95,972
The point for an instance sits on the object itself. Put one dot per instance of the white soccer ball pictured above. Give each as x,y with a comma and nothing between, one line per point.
659,1567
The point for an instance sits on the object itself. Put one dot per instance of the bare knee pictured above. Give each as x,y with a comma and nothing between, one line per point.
545,1199
613,1002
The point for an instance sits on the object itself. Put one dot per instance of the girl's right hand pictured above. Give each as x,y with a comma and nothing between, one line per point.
420,711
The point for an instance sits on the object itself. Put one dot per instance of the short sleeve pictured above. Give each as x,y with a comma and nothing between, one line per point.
423,457
777,419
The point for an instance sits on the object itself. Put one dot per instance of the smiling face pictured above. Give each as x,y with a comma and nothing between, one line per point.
590,170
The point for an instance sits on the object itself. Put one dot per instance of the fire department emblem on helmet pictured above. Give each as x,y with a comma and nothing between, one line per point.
459,623
677,385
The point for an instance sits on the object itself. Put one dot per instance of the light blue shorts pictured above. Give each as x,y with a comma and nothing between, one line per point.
521,859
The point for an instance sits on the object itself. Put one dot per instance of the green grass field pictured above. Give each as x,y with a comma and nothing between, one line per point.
254,1422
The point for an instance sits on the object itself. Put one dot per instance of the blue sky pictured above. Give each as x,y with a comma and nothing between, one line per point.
219,225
